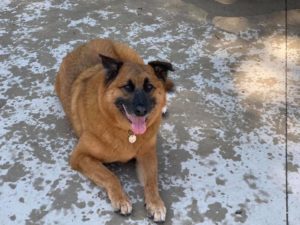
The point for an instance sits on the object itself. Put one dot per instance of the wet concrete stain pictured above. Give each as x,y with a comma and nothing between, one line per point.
14,173
2,102
37,215
220,181
240,215
193,212
38,184
21,200
250,180
293,167
216,212
68,197
13,218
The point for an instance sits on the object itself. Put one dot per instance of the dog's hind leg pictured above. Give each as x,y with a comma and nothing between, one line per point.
100,175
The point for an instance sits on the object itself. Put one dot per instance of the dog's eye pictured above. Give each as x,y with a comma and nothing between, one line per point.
128,87
148,87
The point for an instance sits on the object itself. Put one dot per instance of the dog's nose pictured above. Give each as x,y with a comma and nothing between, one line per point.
140,111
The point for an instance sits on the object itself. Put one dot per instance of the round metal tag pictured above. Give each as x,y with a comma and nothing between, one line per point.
132,138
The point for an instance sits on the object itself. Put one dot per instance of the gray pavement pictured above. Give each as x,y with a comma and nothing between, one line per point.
229,152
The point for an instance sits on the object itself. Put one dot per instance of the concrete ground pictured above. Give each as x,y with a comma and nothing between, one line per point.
229,152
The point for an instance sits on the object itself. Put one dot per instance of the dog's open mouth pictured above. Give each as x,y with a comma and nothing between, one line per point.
138,123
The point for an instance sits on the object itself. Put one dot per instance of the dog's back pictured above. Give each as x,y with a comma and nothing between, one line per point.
84,57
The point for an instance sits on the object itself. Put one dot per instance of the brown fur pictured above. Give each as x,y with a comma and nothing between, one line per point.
101,127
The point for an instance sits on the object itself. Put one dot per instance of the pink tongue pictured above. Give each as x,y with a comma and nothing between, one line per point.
138,124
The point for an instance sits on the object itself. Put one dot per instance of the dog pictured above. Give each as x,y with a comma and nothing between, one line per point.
114,103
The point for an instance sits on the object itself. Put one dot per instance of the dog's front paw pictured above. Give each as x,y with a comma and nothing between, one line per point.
156,210
121,204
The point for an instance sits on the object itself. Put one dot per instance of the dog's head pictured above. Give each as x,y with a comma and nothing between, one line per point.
133,95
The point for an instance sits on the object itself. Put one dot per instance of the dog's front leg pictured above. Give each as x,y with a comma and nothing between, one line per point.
83,160
147,171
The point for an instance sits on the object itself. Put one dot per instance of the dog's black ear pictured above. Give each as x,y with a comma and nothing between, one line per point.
112,67
161,69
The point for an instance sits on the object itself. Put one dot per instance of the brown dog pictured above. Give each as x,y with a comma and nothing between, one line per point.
114,102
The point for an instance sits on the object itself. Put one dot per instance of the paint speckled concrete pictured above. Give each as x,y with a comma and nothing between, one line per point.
293,102
222,150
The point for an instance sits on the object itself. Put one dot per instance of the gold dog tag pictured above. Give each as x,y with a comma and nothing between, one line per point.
131,137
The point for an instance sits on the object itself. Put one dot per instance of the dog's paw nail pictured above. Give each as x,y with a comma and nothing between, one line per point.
157,212
159,216
164,109
122,206
150,216
126,209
